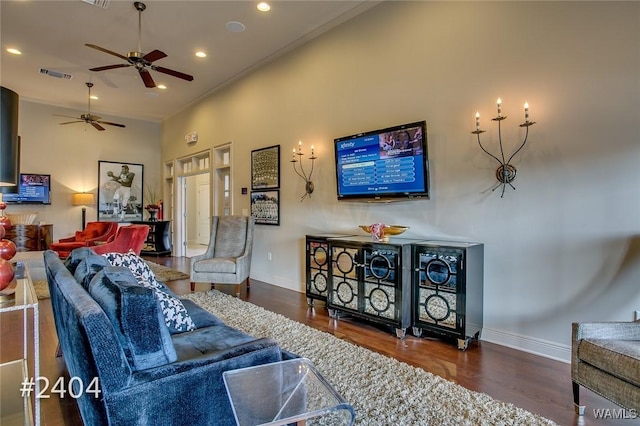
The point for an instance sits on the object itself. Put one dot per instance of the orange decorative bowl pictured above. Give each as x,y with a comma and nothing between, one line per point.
387,231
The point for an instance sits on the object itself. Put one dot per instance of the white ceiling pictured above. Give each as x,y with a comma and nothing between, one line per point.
52,35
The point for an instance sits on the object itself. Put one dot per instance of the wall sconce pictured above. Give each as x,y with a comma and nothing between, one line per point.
307,179
506,172
83,199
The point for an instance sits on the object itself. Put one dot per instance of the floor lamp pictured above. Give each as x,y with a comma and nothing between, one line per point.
83,199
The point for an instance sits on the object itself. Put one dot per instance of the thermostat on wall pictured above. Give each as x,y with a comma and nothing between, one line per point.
191,137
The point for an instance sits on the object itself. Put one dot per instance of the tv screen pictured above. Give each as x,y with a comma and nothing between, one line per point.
32,189
384,164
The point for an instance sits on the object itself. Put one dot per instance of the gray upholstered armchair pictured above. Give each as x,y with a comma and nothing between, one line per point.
605,357
228,257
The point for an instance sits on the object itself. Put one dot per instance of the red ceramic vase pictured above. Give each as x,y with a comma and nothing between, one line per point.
7,249
6,274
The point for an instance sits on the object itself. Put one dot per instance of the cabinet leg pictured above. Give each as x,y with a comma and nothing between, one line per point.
463,344
401,332
332,313
417,331
309,301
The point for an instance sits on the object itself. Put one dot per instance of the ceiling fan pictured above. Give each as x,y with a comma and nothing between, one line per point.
138,59
89,118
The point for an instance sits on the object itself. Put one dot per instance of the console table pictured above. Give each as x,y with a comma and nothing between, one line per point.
16,409
428,285
158,241
30,237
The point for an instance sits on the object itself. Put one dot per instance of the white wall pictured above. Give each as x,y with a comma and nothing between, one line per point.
70,154
563,247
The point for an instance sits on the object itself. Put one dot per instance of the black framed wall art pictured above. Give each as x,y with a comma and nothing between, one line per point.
265,207
265,168
120,195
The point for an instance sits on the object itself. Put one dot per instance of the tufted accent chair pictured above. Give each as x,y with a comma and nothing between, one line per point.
93,232
228,256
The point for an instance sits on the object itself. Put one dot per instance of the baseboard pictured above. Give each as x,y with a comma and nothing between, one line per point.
527,344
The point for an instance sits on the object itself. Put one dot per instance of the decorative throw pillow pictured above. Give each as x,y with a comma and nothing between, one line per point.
88,268
76,256
176,315
136,317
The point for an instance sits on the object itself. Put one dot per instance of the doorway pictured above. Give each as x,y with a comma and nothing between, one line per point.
194,211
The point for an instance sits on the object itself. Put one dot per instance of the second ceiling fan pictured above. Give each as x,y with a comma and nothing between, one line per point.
89,118
138,59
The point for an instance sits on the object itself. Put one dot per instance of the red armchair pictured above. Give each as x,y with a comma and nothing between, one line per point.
93,232
130,237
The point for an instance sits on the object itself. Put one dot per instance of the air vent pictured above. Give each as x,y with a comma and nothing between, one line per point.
100,3
56,74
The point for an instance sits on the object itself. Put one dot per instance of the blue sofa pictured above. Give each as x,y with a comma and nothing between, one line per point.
112,328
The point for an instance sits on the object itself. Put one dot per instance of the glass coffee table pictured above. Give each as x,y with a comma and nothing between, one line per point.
283,393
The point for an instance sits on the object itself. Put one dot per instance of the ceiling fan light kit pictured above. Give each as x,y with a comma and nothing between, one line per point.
138,59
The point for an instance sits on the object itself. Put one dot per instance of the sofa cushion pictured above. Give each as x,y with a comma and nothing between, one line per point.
175,314
620,358
77,256
134,314
88,268
216,265
208,340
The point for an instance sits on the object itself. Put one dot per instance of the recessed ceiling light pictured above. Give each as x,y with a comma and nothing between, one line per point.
264,6
161,86
201,54
235,26
14,51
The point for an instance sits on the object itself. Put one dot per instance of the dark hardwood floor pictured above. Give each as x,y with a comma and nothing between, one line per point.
537,384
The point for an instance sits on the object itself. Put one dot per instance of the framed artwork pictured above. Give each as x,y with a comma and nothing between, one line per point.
265,168
265,207
120,195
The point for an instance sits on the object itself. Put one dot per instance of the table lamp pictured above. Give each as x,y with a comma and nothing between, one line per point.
83,199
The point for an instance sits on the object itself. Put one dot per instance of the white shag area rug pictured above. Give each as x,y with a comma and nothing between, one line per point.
383,390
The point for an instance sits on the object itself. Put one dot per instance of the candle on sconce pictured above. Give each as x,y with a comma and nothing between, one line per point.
294,155
526,112
477,120
499,106
300,147
312,150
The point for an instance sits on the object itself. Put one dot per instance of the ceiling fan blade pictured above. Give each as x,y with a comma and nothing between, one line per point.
173,73
97,126
110,123
71,122
102,49
146,77
154,56
109,67
66,116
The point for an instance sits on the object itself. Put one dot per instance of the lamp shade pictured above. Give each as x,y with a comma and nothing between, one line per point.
9,142
83,199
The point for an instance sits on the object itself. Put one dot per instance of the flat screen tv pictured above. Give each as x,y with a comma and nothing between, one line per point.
32,189
383,165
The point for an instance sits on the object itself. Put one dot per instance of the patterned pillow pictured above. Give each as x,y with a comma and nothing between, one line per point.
175,314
